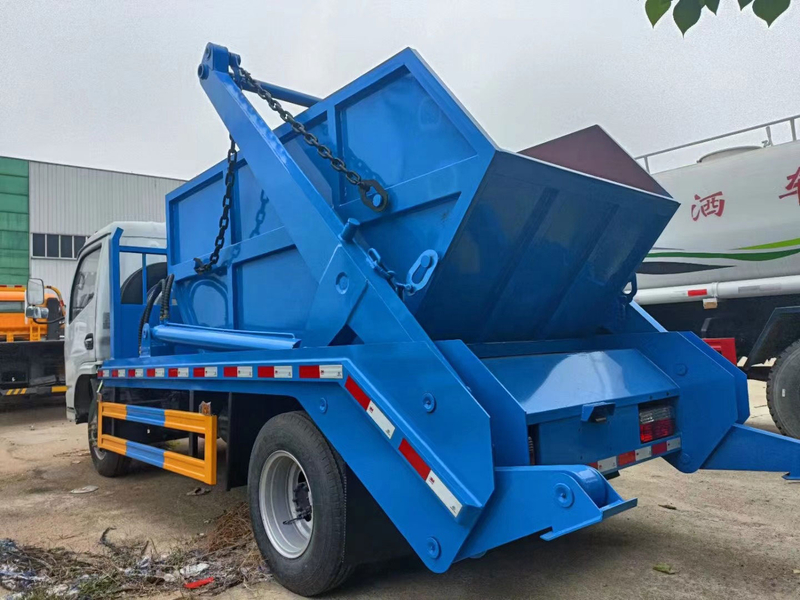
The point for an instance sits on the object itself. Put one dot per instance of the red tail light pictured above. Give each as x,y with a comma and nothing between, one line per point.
655,423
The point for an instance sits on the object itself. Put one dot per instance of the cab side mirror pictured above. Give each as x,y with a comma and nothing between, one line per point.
34,295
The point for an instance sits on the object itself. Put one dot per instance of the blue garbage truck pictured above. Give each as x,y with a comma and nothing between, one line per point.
408,338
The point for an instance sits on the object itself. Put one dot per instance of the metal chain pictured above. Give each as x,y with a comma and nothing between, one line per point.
376,202
227,200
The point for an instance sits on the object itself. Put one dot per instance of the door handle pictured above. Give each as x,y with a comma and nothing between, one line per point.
88,341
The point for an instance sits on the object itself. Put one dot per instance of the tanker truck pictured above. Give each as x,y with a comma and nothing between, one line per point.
727,266
410,339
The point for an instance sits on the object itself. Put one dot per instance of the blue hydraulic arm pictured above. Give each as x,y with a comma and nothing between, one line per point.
368,302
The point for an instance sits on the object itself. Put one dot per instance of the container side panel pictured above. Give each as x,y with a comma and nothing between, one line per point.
318,171
398,132
274,292
253,214
204,301
542,253
195,220
401,238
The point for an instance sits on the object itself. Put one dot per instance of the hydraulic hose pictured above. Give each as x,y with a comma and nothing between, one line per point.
165,297
148,308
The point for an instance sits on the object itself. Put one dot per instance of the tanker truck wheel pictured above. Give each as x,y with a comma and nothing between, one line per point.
297,495
783,391
108,464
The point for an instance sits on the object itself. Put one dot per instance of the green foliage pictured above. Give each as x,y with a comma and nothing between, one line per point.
686,13
769,10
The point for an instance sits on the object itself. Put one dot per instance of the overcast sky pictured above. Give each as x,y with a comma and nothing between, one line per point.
113,84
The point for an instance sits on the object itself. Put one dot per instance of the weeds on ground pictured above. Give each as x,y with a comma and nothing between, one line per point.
227,556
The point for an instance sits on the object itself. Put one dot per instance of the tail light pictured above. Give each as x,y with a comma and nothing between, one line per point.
656,422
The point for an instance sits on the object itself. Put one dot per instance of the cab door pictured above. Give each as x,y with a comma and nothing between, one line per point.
81,338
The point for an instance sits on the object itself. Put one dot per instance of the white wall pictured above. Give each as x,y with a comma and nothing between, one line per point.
79,201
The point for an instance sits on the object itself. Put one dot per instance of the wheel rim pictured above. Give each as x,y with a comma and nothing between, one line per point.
100,454
284,497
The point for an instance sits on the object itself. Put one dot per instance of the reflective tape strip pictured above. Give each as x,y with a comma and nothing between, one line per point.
131,372
444,494
151,372
380,419
659,448
183,371
237,371
160,372
138,372
321,372
634,456
119,373
608,464
375,413
330,371
277,372
432,479
204,372
627,458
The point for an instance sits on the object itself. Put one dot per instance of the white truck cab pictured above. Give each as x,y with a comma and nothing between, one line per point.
87,336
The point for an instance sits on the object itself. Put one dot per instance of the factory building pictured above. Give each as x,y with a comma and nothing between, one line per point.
47,211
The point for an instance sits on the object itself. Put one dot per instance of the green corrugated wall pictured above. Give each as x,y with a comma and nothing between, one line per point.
13,221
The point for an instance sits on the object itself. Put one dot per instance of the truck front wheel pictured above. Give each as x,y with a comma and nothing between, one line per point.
783,391
108,464
296,490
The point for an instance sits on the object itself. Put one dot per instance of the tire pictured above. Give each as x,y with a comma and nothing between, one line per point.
108,464
306,556
783,391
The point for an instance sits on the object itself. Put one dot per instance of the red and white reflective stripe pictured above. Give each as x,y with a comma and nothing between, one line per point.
375,413
321,372
431,478
276,372
178,371
138,372
237,371
102,373
204,371
160,372
634,456
697,292
119,373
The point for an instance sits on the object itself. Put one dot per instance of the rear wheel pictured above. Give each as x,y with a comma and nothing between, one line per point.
297,494
108,464
783,391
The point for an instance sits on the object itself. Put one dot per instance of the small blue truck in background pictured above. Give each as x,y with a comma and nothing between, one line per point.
407,337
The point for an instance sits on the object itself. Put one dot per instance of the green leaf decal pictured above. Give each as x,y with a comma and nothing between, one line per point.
686,14
768,10
712,5
656,9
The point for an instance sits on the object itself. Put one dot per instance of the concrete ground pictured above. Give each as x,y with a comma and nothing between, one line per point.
730,535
